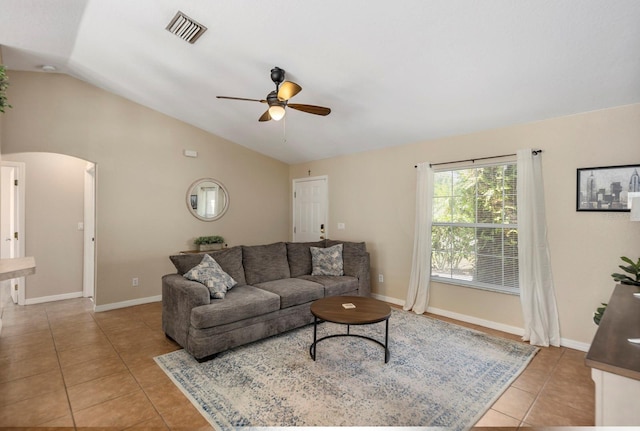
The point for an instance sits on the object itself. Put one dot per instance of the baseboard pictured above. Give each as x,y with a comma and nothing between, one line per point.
388,299
477,321
576,345
130,303
61,297
564,342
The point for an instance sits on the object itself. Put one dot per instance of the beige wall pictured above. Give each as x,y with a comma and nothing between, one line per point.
373,193
142,178
53,208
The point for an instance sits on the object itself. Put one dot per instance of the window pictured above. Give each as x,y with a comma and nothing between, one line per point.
474,232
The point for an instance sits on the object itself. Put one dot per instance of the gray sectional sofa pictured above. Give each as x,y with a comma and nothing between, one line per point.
273,294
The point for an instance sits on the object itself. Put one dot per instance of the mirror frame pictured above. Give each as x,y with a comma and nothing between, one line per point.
207,180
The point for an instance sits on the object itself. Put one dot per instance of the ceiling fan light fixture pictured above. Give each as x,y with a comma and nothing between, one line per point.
278,99
277,112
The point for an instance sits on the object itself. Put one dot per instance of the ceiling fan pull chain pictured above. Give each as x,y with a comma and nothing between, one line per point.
284,130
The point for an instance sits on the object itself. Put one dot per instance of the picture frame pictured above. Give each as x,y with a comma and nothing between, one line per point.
194,201
607,188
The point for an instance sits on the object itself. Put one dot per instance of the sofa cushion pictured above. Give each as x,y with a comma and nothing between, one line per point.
335,286
299,257
265,262
229,259
351,253
349,247
241,302
293,291
209,273
327,261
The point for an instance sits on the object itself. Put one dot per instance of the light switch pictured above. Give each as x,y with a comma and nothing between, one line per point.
190,153
341,226
80,225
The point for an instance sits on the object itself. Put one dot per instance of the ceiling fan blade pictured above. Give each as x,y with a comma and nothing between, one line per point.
265,117
311,109
242,98
287,90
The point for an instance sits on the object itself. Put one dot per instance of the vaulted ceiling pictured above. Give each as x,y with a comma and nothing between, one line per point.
393,73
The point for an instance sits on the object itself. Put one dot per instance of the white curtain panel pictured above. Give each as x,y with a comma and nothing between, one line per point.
537,294
418,294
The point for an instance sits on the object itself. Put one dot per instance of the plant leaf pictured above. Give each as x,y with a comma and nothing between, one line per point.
629,269
629,261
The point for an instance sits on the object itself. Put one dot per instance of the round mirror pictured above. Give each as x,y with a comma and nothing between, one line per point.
207,199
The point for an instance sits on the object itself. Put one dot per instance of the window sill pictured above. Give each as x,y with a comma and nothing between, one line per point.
487,288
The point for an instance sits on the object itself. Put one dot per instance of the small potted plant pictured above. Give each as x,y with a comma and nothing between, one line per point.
4,83
632,268
207,243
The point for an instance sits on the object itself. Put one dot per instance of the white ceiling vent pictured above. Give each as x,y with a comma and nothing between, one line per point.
186,28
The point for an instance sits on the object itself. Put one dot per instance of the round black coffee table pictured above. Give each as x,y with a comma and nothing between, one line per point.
337,309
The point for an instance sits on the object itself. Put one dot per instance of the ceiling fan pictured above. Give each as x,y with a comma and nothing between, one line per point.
279,99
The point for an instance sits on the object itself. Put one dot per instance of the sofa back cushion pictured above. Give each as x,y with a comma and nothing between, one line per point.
265,262
299,256
229,259
351,253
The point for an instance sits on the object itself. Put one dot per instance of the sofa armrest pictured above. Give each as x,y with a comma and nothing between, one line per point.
179,297
359,267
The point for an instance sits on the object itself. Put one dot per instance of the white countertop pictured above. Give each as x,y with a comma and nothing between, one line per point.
18,267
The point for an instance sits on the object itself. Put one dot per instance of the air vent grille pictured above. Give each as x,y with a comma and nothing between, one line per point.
186,28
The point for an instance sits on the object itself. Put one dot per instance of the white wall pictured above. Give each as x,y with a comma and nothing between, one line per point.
2,292
373,193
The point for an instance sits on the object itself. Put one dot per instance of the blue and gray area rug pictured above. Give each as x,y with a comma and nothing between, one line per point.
439,375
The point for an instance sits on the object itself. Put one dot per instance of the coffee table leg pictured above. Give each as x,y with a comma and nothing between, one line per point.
386,343
312,350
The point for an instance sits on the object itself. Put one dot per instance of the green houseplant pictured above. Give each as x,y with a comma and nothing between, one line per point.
4,83
206,243
599,313
632,268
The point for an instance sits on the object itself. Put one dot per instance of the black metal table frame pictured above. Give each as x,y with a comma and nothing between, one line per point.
312,348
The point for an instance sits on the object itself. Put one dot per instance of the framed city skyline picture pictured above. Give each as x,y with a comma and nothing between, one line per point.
607,188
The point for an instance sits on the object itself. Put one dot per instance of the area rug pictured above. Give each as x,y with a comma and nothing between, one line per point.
439,375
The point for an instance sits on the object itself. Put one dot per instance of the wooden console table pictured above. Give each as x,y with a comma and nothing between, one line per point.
615,362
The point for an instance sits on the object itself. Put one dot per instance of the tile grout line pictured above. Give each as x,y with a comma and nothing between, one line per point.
539,394
66,386
130,373
64,381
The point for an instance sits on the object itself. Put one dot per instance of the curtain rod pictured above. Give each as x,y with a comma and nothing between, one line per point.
534,152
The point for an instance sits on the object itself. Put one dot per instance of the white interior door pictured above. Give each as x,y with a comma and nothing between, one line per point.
310,209
89,222
12,223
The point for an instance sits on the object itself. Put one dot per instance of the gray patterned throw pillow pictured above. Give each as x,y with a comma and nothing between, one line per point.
327,261
209,273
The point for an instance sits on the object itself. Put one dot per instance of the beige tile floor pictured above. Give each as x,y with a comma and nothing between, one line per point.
62,365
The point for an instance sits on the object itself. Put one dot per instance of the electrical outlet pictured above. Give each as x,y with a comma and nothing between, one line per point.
380,278
135,282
